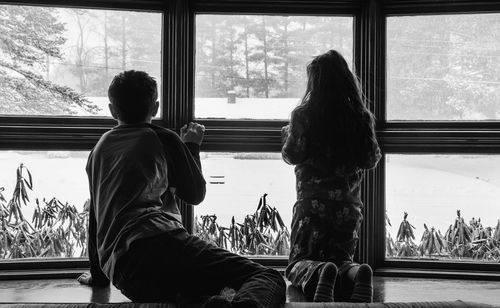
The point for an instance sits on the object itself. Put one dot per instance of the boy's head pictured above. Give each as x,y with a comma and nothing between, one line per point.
133,96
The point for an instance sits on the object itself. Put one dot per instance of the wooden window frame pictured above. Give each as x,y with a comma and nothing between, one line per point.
59,133
436,137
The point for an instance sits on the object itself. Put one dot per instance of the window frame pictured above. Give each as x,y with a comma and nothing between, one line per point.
60,132
74,133
178,62
430,137
233,134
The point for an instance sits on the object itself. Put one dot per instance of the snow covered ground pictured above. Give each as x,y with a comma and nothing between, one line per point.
432,188
219,108
429,187
245,108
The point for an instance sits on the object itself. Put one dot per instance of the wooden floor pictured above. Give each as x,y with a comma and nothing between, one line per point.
385,290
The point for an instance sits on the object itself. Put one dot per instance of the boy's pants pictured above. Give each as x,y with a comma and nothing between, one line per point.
174,264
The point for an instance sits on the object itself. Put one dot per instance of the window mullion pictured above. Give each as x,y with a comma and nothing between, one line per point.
370,51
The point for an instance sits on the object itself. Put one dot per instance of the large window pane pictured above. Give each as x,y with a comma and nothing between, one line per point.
455,197
235,184
254,67
42,200
60,61
443,67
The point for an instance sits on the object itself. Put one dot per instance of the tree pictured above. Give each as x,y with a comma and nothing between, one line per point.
88,73
263,54
443,67
245,37
212,66
28,35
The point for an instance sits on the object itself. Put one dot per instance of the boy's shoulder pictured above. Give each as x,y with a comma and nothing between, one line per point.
165,134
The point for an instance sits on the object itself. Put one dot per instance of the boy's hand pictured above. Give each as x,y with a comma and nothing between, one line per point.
192,132
85,278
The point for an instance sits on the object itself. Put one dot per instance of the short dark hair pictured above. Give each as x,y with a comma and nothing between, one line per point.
133,94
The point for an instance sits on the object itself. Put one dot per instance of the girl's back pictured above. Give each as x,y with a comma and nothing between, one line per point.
331,135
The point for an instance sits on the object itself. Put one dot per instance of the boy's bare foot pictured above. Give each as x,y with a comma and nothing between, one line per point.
217,301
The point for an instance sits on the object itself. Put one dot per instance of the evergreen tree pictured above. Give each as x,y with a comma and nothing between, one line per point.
28,36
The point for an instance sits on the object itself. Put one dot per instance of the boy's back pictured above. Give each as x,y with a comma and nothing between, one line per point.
133,171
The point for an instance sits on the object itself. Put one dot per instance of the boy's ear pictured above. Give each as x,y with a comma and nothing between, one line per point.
112,109
156,106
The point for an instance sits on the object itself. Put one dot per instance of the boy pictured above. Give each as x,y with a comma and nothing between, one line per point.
136,238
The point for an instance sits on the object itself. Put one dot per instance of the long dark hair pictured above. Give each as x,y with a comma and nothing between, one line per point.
338,120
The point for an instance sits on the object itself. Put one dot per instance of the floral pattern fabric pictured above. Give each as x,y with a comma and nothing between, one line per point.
328,212
322,231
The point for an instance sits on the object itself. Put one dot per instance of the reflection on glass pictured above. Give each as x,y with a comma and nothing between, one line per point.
443,67
42,198
448,202
235,184
60,61
254,67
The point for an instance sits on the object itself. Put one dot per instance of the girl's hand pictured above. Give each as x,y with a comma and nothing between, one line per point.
284,132
192,132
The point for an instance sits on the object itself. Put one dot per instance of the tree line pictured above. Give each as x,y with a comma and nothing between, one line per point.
53,59
263,56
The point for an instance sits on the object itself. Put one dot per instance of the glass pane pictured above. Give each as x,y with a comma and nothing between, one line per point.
451,202
444,67
235,184
254,67
60,61
42,210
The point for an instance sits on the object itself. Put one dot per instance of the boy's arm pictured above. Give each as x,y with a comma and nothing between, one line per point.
185,171
97,276
194,149
294,149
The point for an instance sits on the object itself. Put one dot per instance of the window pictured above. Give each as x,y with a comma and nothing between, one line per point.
60,61
42,204
443,67
250,72
254,66
439,127
450,200
55,66
429,68
236,183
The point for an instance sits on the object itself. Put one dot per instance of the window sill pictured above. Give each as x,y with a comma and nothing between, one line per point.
437,273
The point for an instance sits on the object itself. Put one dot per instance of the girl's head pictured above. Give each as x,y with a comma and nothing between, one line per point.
338,120
330,82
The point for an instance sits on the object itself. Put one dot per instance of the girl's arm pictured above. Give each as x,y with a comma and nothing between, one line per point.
294,141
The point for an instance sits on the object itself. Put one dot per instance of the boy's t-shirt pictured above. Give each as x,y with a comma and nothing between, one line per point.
135,171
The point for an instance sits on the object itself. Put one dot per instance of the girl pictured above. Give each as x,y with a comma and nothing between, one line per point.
330,139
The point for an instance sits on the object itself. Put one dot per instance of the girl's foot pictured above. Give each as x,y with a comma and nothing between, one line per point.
326,283
362,291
